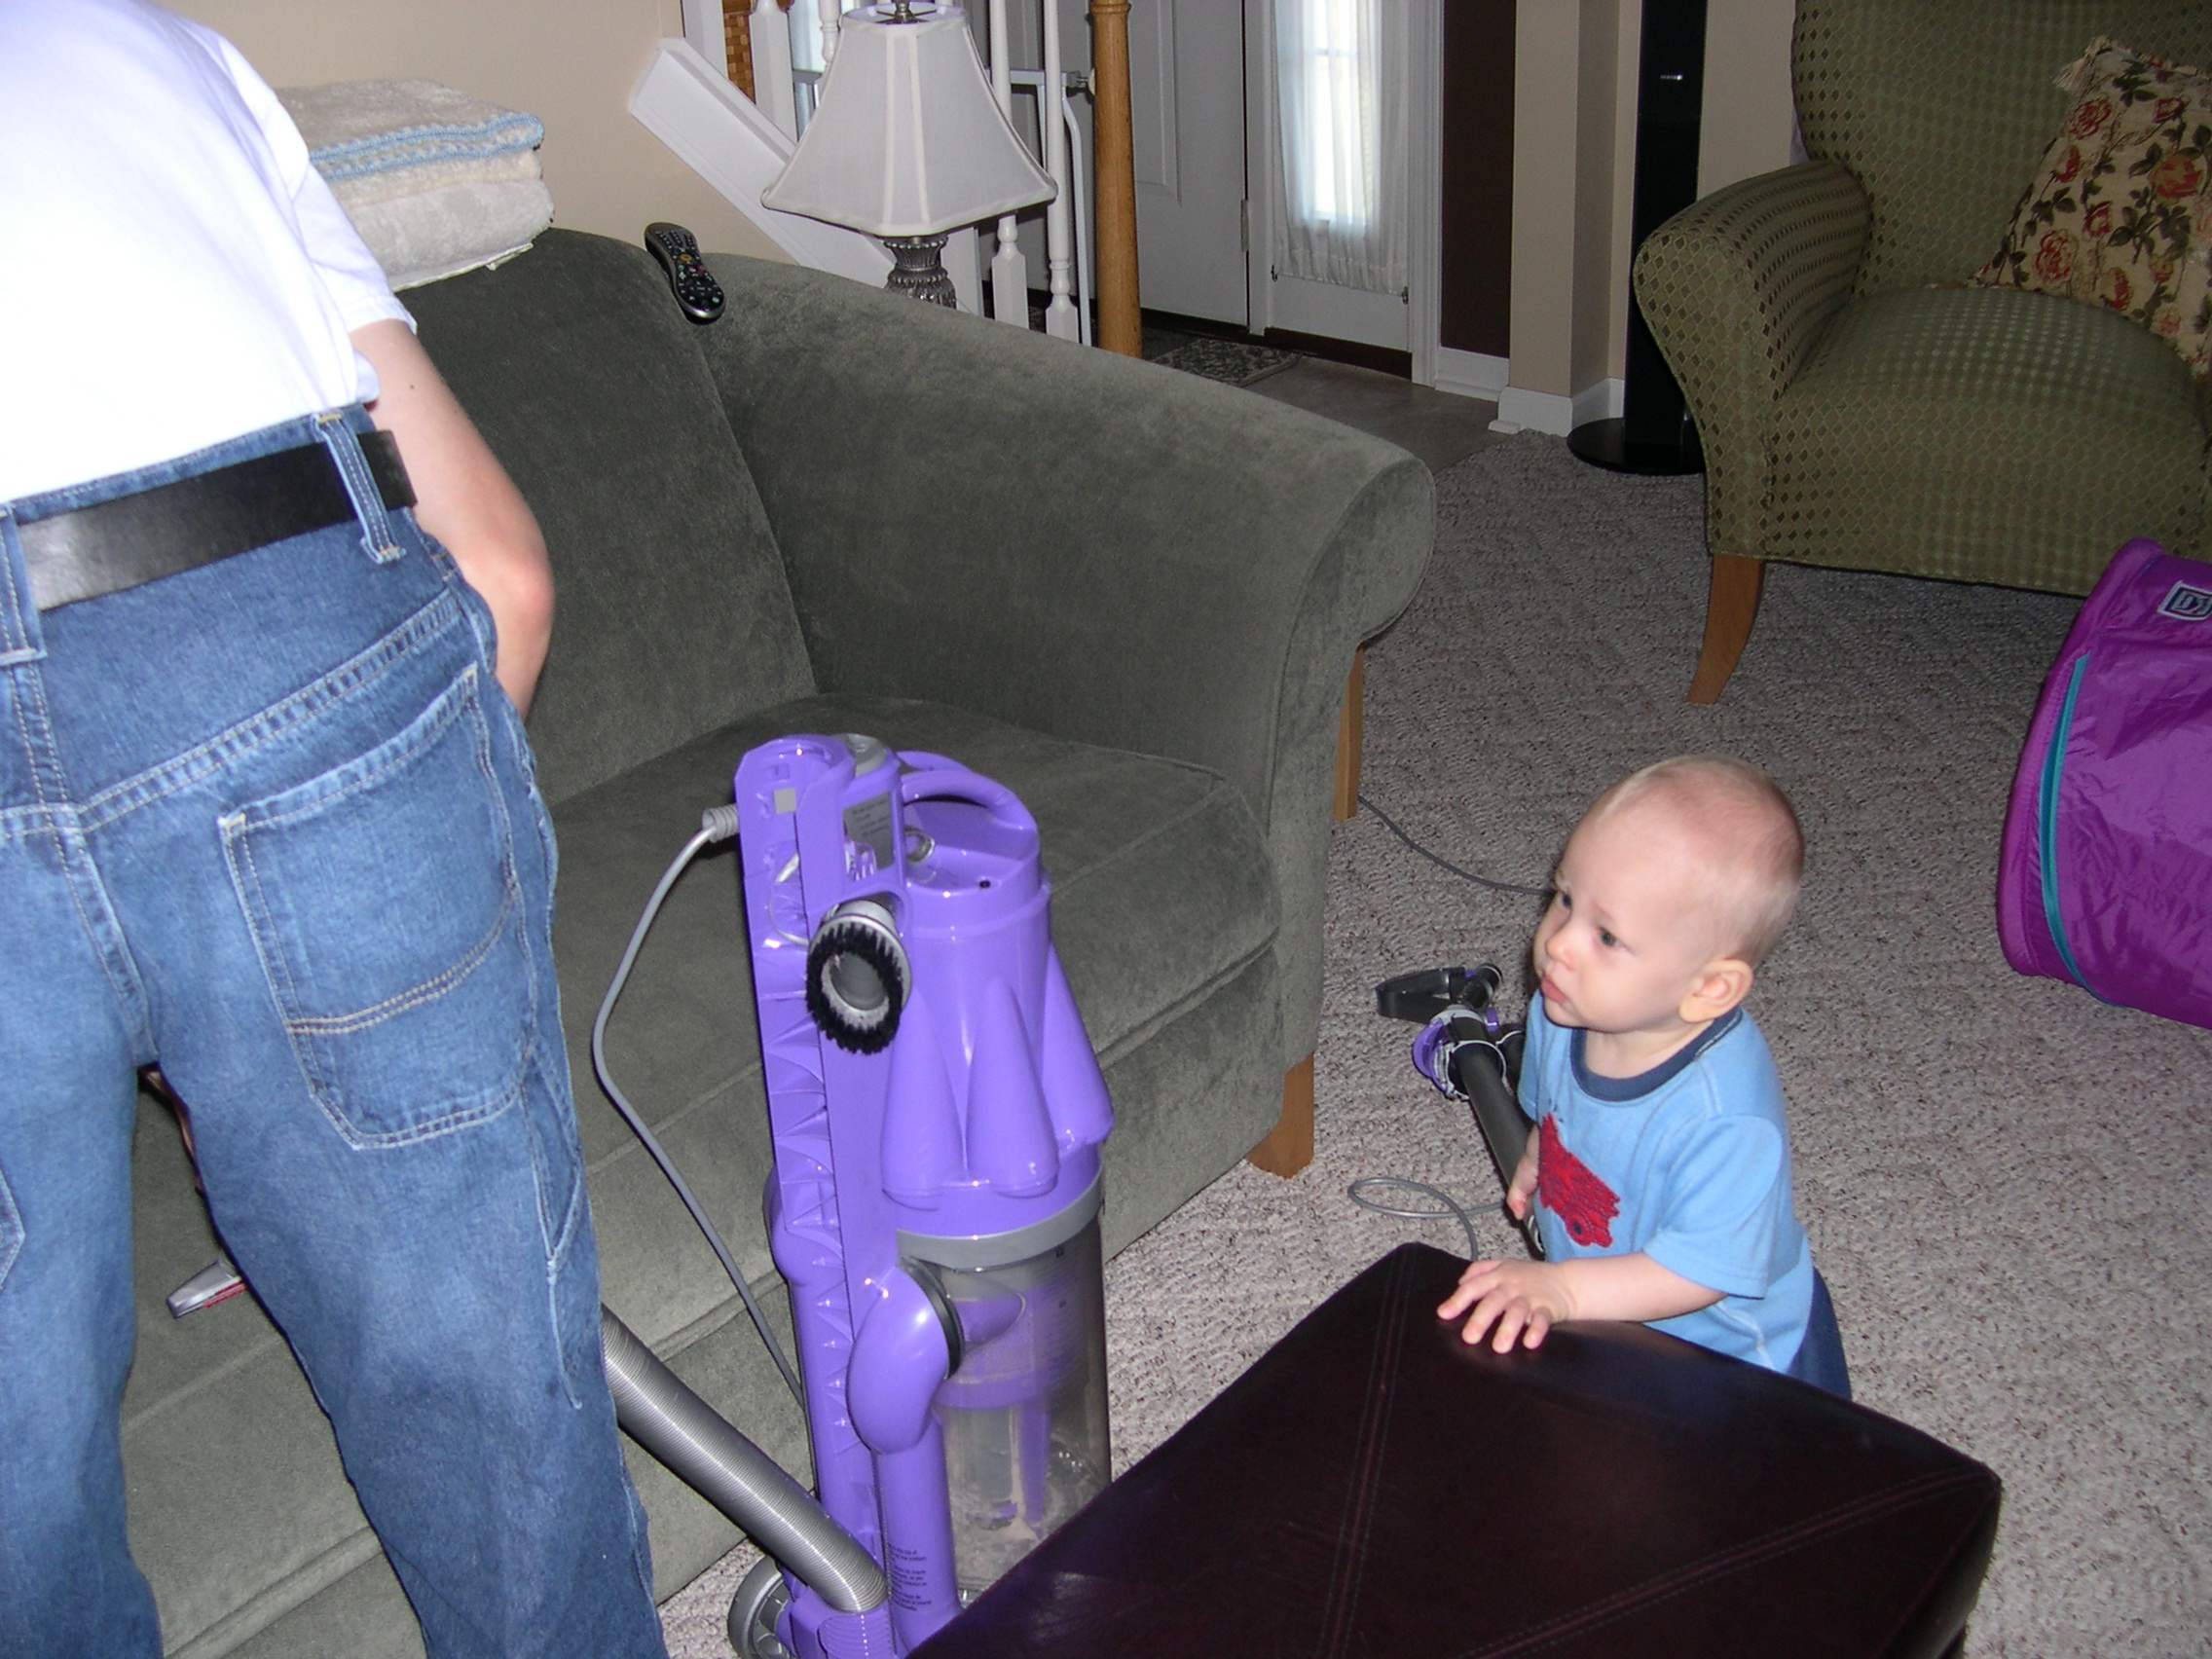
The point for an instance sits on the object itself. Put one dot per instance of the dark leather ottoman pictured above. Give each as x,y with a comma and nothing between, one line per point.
1375,1487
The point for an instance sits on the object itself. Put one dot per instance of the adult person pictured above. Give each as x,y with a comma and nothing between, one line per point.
267,817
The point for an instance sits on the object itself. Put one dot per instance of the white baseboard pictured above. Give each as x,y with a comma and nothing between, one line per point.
1600,402
1470,374
1520,410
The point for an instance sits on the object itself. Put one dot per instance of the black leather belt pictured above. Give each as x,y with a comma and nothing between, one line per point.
118,544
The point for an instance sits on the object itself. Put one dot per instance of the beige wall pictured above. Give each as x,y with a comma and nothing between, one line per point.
1546,126
1749,113
1574,161
1604,152
570,62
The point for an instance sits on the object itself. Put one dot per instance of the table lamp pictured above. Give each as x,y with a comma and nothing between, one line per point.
908,143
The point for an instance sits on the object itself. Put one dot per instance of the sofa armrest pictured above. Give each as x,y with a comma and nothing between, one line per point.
1089,546
1737,287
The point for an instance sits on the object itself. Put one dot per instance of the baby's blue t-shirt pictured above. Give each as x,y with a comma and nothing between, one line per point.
1689,1164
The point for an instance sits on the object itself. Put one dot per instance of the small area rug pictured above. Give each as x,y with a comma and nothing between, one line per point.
2006,1182
1234,362
1239,362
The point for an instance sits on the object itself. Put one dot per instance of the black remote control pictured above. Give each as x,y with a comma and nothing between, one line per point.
678,251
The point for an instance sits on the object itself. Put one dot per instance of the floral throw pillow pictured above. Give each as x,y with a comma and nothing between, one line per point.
2121,211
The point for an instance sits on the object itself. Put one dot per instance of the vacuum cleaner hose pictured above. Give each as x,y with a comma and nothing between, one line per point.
657,1411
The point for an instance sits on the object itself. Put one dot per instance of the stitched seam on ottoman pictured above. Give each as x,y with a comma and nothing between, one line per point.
1359,1518
1681,1581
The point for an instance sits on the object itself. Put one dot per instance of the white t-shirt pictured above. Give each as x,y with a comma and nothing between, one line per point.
173,271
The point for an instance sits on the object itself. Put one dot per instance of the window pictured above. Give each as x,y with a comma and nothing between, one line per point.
1342,84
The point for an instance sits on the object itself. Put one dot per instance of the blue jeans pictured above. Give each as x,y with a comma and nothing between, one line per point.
272,823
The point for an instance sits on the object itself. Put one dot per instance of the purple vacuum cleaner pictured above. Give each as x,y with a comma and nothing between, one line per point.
937,1114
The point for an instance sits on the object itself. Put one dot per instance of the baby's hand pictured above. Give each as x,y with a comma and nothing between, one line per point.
1522,1299
1523,1185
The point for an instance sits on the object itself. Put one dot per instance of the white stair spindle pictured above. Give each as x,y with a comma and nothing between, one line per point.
772,86
829,12
963,259
1078,173
1009,269
702,26
1061,318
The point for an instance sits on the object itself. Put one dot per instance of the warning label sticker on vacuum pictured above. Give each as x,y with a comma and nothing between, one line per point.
867,823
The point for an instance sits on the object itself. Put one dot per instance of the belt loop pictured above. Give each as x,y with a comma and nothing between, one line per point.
22,639
345,446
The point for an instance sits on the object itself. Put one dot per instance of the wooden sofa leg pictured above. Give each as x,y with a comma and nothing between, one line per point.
1730,607
1350,730
1289,1145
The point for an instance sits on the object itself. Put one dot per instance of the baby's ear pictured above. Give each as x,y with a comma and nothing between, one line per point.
1721,985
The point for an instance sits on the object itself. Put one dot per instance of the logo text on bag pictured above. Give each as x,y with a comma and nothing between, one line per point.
2187,604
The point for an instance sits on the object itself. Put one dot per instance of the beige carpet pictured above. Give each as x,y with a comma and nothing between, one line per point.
2006,1182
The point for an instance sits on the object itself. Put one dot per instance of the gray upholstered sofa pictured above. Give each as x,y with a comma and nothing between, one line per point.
1128,594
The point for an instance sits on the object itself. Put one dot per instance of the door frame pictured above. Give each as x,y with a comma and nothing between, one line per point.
1425,190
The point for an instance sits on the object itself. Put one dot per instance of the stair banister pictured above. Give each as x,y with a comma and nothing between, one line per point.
1114,190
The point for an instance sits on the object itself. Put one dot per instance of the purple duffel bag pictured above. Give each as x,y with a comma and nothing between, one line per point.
2106,875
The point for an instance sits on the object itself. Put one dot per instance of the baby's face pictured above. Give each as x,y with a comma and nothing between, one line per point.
1628,934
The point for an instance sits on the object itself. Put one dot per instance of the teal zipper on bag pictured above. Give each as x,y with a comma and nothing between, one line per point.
2047,829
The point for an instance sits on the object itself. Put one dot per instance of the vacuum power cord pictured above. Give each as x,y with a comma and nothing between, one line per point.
1360,1191
717,823
1390,824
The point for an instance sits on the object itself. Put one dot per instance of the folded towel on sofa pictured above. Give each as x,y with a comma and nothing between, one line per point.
455,228
436,182
358,130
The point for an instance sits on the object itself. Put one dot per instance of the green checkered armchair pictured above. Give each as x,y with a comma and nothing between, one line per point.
1857,406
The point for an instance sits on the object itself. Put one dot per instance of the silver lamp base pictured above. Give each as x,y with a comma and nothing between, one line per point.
918,270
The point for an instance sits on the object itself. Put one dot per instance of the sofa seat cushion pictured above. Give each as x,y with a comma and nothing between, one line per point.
2081,427
1162,893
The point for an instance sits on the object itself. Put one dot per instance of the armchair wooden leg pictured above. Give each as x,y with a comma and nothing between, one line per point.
1289,1145
1730,609
1349,733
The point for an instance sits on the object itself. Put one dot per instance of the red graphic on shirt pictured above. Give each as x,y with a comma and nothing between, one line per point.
1564,1185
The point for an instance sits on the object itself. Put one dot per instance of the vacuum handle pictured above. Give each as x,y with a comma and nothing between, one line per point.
935,777
1478,1072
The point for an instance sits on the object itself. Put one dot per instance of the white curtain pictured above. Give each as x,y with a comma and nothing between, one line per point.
1343,74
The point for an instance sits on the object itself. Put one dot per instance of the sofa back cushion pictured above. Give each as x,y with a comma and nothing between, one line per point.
673,614
1943,108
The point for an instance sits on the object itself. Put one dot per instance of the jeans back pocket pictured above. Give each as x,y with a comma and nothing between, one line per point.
385,905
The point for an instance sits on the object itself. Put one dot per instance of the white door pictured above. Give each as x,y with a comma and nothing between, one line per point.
1186,107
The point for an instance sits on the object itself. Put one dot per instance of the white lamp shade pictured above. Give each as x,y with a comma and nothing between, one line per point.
907,140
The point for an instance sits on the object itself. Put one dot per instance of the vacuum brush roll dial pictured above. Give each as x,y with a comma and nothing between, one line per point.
858,978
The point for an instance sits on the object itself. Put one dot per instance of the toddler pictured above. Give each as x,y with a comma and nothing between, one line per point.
1660,1162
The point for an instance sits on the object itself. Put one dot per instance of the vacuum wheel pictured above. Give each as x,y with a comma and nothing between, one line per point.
755,1609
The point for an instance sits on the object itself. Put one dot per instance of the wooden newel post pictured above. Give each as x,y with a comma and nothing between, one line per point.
1114,179
737,45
